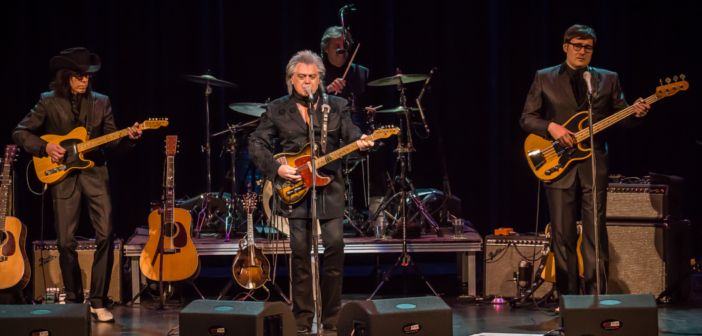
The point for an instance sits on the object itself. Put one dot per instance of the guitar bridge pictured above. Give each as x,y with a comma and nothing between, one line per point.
3,259
171,251
55,170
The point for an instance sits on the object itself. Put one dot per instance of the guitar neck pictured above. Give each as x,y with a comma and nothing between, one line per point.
90,144
169,201
329,158
584,134
250,229
5,191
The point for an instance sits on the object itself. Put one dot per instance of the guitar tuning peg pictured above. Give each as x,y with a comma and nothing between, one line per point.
660,81
675,79
682,77
667,80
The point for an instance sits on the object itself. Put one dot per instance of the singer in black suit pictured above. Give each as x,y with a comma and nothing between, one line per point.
556,95
71,104
287,119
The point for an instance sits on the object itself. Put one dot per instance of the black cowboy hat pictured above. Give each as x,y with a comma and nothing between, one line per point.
77,59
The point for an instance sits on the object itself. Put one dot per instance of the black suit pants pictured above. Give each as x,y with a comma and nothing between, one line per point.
67,216
331,277
566,206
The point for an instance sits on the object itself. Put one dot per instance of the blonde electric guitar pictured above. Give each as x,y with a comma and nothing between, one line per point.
76,144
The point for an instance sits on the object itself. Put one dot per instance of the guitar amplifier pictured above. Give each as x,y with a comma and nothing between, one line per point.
86,249
643,202
650,258
501,263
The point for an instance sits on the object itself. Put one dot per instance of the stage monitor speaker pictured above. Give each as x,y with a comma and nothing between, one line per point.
86,249
216,318
635,314
49,320
650,258
501,263
396,317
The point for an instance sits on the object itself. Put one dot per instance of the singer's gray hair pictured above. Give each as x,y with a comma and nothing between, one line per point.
331,33
305,57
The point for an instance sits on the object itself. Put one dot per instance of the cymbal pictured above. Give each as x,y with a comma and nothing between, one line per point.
208,79
397,109
397,79
253,109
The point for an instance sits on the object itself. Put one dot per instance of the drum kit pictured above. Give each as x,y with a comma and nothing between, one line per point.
219,214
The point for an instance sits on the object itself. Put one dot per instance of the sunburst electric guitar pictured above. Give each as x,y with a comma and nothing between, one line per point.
550,159
14,264
292,192
251,268
76,144
169,233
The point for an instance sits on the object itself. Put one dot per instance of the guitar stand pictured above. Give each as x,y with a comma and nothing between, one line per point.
274,286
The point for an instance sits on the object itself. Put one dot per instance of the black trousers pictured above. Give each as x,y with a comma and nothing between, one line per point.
67,216
331,277
566,206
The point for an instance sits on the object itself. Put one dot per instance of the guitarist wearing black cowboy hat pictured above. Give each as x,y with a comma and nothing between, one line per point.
71,104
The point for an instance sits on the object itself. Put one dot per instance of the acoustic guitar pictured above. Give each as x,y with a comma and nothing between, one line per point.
169,232
550,159
292,192
251,268
76,144
14,264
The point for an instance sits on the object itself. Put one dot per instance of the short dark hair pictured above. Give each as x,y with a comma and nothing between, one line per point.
582,32
61,84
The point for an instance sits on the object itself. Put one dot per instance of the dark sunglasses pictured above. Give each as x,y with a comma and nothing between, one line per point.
80,77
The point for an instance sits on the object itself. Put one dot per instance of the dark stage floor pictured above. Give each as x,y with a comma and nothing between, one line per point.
468,319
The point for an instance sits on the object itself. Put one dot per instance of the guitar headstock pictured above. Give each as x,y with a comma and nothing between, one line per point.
385,132
153,124
10,152
671,88
250,202
171,145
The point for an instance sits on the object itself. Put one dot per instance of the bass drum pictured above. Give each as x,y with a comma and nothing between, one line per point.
277,222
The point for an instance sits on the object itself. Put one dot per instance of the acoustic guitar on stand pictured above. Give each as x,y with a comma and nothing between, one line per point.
14,264
292,192
550,159
76,144
169,233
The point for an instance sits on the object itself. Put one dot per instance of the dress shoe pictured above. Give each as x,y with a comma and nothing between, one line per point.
102,314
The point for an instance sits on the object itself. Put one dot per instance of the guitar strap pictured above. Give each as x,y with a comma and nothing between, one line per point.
325,113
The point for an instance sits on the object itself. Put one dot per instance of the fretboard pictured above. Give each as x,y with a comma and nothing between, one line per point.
327,159
170,190
5,192
90,144
584,134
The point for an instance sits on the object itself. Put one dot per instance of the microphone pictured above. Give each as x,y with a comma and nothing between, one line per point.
588,80
309,92
524,274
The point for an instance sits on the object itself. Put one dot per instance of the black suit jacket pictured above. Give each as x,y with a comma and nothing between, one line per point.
53,115
551,99
282,119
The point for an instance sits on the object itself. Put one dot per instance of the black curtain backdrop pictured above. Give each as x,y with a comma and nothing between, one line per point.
486,52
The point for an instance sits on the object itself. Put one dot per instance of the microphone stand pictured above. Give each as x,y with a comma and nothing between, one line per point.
594,194
315,234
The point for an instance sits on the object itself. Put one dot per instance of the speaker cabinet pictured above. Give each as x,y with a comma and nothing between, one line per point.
49,257
582,315
502,257
396,317
649,258
217,318
54,320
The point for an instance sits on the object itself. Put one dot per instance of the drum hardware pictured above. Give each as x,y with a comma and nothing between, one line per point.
403,150
350,213
398,109
209,81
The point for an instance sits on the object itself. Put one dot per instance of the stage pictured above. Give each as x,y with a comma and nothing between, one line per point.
465,248
468,319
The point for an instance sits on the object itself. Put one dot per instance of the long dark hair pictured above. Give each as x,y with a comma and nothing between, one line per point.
61,84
